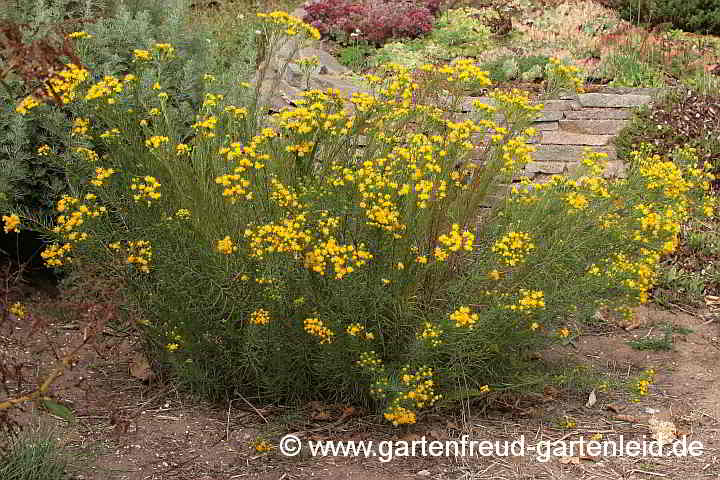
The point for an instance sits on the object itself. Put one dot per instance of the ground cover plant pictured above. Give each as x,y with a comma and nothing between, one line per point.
311,254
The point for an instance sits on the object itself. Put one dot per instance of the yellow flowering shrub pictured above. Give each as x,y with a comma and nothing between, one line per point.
336,248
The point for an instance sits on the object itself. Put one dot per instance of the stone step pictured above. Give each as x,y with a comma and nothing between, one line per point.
599,114
560,105
545,126
560,137
593,127
609,100
549,116
568,153
550,168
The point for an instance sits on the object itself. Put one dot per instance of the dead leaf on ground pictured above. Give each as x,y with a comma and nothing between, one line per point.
411,437
320,415
627,418
140,367
592,399
570,460
662,430
615,407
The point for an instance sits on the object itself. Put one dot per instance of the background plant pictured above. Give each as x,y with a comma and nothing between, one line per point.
28,178
701,16
378,21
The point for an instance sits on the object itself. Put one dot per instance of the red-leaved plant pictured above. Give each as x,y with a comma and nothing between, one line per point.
377,21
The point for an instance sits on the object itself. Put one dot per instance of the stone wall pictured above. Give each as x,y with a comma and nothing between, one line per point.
570,124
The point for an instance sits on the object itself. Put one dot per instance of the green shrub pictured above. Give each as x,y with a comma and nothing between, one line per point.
700,16
28,180
631,70
460,33
528,68
337,250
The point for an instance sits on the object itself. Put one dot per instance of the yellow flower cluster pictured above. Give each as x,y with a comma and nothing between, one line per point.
516,154
462,73
61,86
431,333
226,246
80,126
146,188
64,84
562,76
641,386
101,174
55,255
237,112
358,330
419,393
111,133
263,446
529,299
108,87
371,362
12,223
463,318
166,49
18,309
80,35
206,126
260,317
27,104
290,25
43,150
315,326
398,415
300,149
577,201
516,102
639,275
142,55
456,241
344,258
87,154
140,254
289,236
513,247
67,223
156,141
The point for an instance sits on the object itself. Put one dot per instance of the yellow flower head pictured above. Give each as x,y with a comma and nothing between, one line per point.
12,223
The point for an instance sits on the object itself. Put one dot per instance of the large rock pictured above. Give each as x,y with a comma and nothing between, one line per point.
609,100
285,80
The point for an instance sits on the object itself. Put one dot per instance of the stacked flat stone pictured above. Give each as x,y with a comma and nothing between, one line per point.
569,125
